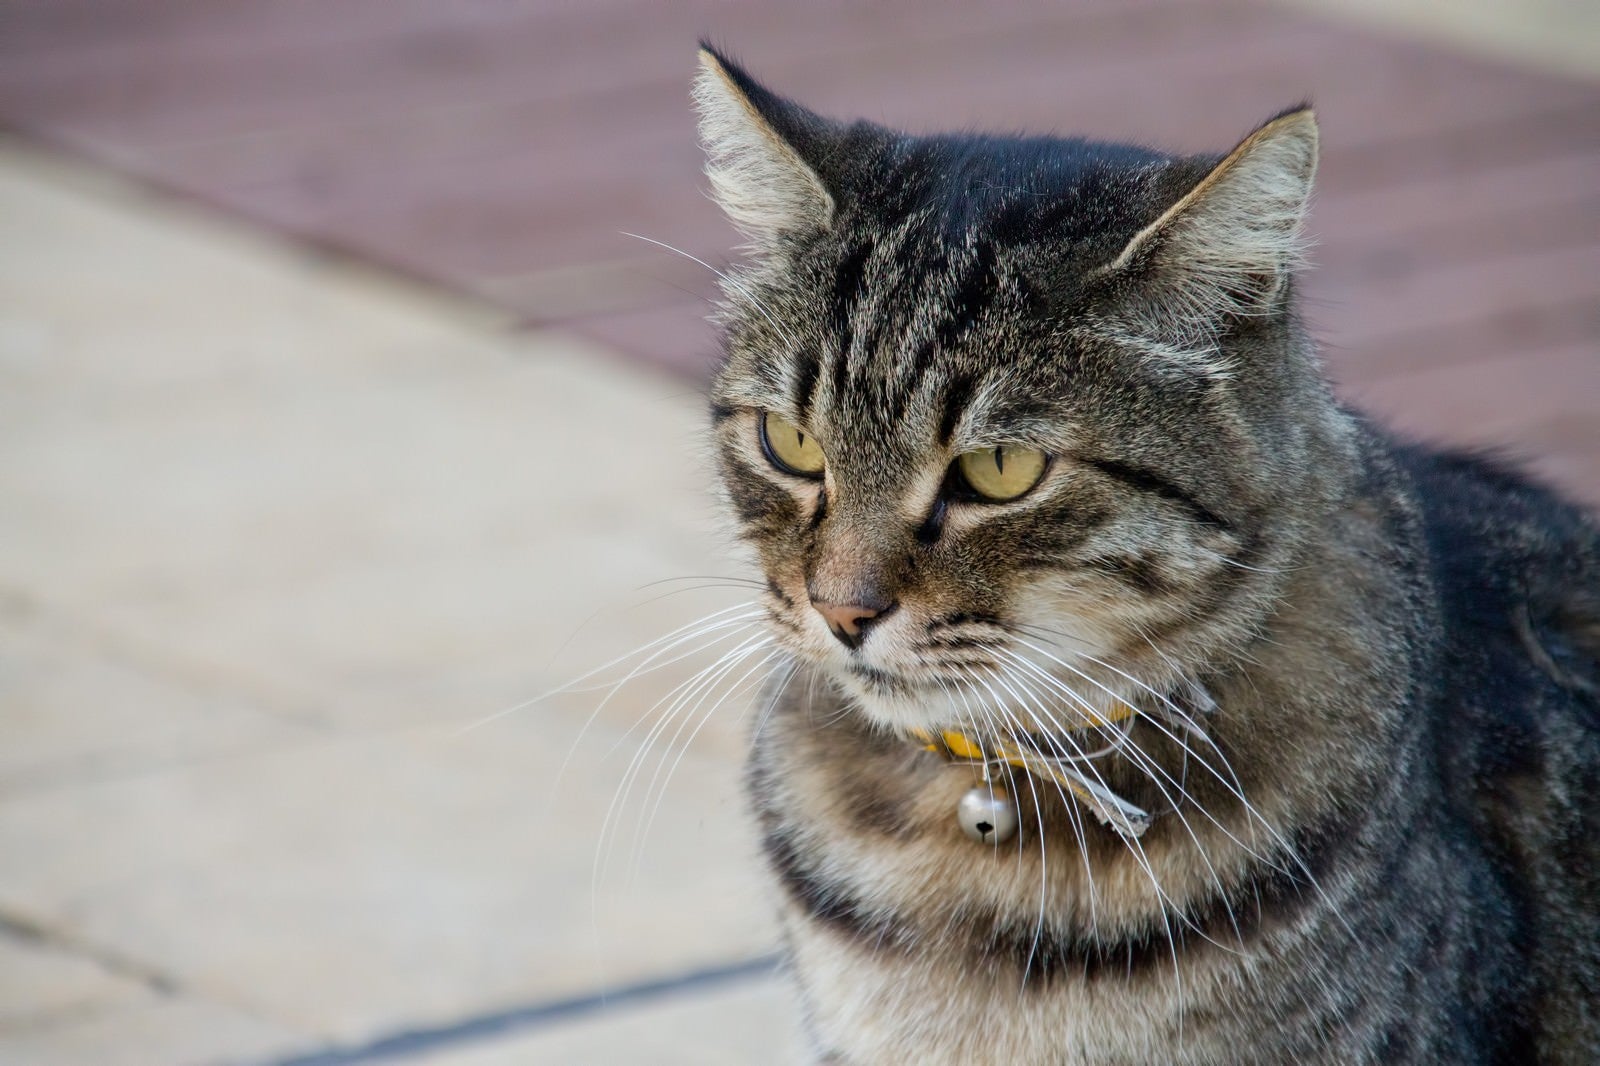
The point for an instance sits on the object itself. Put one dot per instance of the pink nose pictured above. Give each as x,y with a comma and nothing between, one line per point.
845,616
848,621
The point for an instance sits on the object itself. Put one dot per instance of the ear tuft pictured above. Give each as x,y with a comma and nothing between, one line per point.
1229,245
756,173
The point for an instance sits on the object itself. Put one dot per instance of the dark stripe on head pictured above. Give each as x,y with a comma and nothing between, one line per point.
970,299
964,618
928,533
956,395
755,499
964,306
1206,598
721,412
1048,537
849,285
805,385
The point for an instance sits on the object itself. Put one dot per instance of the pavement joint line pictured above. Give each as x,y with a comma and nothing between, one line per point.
32,932
163,662
493,1025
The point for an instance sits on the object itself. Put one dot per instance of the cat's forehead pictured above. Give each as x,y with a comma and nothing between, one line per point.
934,308
900,339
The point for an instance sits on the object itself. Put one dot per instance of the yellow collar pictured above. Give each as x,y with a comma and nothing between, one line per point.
1110,808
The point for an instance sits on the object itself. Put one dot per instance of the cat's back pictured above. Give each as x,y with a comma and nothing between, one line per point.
1516,719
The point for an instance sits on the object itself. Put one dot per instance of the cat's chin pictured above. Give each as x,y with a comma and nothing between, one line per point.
885,698
900,705
904,711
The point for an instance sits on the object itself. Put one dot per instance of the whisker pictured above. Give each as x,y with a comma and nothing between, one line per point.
573,685
727,279
1229,781
773,701
644,825
723,629
1044,869
732,581
1167,908
1154,771
680,696
1151,765
1227,561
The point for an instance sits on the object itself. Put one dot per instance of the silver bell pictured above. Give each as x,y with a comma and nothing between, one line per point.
987,815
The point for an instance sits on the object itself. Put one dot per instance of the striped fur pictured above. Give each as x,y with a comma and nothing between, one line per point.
1368,671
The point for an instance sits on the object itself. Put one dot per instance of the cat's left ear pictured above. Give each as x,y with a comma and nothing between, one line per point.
757,145
1230,244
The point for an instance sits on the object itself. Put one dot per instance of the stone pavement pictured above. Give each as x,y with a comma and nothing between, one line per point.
275,533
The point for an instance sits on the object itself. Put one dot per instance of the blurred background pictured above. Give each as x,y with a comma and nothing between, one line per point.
340,421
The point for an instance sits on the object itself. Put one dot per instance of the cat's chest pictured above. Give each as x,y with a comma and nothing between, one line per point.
911,942
868,1006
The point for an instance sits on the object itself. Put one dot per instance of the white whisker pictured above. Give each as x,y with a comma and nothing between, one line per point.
681,697
727,279
643,825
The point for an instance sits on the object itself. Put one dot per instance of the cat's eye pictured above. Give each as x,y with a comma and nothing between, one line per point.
1003,473
789,449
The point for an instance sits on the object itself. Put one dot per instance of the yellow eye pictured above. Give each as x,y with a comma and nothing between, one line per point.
1004,473
789,449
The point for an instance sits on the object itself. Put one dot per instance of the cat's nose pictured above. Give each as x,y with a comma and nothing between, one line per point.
849,621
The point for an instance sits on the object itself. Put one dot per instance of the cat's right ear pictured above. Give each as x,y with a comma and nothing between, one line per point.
755,143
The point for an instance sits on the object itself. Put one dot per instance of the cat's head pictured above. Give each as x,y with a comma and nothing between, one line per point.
1000,414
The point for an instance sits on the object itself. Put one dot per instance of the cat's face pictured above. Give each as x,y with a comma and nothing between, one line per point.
992,438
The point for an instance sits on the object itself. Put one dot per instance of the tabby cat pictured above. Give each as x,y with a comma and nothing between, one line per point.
1152,707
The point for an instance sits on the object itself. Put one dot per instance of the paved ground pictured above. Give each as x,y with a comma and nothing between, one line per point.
280,534
275,531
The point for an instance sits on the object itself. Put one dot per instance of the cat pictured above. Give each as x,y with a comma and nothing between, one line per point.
1149,705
